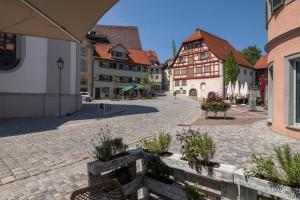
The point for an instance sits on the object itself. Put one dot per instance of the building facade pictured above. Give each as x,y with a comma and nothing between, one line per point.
198,67
155,71
261,69
128,36
115,66
29,76
86,67
283,47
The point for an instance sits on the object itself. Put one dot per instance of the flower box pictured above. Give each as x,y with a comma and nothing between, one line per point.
265,186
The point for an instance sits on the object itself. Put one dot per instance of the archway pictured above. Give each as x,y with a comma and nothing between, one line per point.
193,93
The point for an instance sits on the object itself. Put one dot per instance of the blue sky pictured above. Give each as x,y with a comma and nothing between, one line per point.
241,22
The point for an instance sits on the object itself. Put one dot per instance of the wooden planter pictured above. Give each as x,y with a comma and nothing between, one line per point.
250,186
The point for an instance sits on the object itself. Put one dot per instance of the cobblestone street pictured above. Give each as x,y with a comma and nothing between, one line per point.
46,158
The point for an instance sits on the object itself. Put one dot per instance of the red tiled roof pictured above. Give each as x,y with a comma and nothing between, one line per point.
136,56
262,62
127,35
152,56
218,46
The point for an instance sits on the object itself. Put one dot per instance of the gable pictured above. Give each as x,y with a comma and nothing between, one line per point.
119,48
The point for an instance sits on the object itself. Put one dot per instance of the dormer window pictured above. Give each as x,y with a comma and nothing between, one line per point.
118,54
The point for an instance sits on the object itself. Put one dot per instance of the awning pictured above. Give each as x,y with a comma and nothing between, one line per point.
135,86
58,19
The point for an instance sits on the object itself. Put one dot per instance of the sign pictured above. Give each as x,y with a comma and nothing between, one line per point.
252,100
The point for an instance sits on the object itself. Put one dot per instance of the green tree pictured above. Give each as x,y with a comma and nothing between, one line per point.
174,49
251,53
231,68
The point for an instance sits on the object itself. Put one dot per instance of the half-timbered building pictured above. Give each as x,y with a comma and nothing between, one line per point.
198,67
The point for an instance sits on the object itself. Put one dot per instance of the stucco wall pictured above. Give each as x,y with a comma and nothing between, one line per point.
23,80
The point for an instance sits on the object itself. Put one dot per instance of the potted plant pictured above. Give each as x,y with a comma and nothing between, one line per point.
111,155
214,103
278,175
158,145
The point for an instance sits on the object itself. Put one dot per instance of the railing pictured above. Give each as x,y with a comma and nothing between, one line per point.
224,182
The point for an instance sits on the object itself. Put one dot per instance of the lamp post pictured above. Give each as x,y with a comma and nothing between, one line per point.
60,66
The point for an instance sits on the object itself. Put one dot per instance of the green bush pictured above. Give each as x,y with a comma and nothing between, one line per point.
192,191
284,169
159,144
157,169
196,146
105,147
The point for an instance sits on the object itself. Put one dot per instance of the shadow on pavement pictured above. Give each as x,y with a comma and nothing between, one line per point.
20,126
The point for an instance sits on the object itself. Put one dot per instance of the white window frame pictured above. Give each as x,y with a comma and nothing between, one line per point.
295,91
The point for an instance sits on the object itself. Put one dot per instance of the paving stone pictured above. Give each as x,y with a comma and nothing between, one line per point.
51,150
8,179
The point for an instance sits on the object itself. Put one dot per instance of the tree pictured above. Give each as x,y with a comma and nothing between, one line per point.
174,49
252,54
231,68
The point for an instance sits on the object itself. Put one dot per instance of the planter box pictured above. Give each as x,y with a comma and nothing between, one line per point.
96,167
264,186
223,173
168,191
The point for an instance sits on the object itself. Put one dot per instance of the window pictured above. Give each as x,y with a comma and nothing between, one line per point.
156,70
121,66
118,54
183,83
112,65
191,72
180,60
83,51
156,77
207,69
275,4
251,73
199,70
245,72
139,68
103,64
190,47
83,66
176,72
203,56
105,90
297,91
191,60
83,82
177,83
197,45
8,52
105,78
183,72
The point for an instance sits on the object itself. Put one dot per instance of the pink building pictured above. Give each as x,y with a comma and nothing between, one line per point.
283,22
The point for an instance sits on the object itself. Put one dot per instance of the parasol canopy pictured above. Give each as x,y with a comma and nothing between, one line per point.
58,19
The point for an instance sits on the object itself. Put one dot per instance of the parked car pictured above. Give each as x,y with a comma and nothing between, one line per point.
86,96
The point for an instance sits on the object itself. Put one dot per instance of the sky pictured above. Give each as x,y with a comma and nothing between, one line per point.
240,22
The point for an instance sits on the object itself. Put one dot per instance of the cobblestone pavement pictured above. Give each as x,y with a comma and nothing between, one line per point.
46,158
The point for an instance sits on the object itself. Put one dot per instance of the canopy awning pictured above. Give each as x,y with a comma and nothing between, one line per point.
58,19
135,86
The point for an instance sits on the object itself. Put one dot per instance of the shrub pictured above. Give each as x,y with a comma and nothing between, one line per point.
212,96
285,169
192,191
105,147
157,169
196,146
159,144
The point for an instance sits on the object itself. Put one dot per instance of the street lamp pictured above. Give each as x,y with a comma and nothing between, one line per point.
60,66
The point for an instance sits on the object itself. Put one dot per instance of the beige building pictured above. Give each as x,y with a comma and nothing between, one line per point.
104,34
86,67
283,49
199,66
116,66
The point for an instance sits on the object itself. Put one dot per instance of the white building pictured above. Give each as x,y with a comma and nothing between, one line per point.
29,76
199,66
115,66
